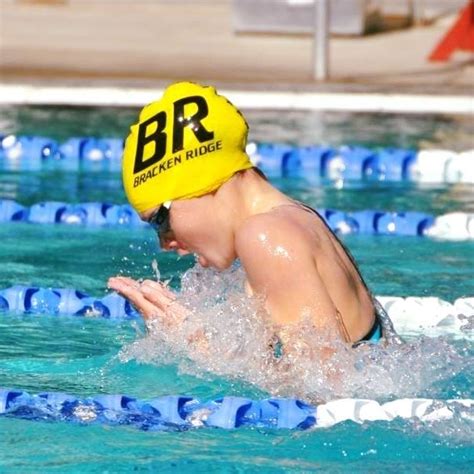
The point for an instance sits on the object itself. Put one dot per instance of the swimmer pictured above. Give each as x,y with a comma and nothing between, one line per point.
186,173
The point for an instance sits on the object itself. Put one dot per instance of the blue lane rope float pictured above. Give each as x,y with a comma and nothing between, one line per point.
30,153
64,301
352,163
160,413
374,222
355,163
171,413
54,212
408,314
456,225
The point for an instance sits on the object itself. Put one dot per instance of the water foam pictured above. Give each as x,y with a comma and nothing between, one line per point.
227,333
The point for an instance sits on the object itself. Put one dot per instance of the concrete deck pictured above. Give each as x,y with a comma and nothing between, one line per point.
146,43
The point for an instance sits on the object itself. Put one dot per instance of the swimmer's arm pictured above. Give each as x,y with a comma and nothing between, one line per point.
281,269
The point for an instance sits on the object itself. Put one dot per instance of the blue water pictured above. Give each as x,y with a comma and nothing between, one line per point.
81,356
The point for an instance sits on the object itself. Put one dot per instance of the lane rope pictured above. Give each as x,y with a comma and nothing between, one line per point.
181,412
318,162
451,226
428,316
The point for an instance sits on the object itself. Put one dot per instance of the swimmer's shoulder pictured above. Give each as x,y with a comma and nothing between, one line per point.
271,232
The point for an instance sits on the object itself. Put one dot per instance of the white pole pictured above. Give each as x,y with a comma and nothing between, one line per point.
418,10
321,40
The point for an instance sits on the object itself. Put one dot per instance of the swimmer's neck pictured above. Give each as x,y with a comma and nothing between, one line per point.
248,289
247,194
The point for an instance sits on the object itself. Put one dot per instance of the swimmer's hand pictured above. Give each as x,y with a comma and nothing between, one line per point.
152,299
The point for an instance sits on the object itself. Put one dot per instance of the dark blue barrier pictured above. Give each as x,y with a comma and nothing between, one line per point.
104,214
162,413
24,153
67,301
46,212
68,156
270,158
388,164
341,222
347,164
305,162
103,154
12,211
351,163
366,220
403,223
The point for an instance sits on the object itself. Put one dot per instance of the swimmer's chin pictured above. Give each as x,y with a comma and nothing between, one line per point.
218,265
202,261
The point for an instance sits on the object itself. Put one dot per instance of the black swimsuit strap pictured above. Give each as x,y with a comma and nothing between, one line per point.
309,209
377,325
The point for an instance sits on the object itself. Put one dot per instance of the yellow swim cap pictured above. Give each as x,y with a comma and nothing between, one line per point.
184,145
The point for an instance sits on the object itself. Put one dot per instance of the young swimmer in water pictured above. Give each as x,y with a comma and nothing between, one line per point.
186,173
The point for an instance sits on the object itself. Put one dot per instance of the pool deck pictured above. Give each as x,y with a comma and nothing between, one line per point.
54,47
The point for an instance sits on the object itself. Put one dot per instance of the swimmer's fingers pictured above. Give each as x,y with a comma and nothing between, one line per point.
123,280
156,297
154,293
149,284
118,282
159,288
129,289
151,298
165,300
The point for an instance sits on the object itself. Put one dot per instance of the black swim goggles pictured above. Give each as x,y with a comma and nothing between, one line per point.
160,220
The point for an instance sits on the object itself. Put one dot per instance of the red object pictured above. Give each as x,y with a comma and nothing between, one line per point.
460,36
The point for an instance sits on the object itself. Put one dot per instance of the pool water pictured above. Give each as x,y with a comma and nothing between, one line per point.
91,356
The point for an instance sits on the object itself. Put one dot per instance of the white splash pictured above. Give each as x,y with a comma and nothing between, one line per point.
228,334
156,270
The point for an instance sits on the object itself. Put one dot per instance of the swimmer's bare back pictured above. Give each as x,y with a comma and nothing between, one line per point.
302,271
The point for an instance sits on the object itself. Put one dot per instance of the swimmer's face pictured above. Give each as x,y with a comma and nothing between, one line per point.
160,220
192,227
